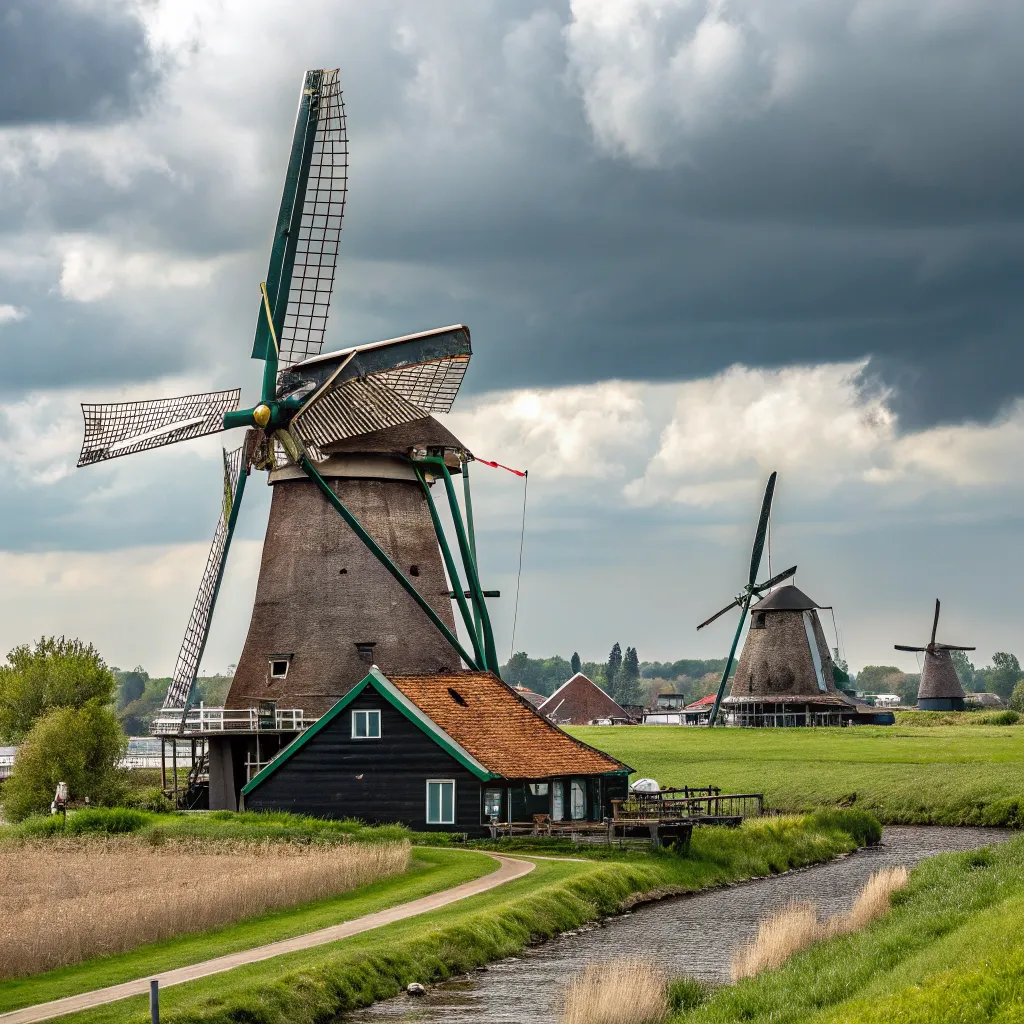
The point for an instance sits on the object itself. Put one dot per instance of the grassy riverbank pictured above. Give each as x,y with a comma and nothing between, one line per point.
950,950
942,775
315,984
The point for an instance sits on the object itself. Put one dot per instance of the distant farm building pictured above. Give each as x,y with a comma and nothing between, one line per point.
696,713
580,701
536,699
453,752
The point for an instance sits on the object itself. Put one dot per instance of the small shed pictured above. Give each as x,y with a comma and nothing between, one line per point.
453,752
580,701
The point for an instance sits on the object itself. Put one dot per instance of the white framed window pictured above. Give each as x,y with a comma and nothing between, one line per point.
492,803
279,667
366,725
440,801
558,800
578,799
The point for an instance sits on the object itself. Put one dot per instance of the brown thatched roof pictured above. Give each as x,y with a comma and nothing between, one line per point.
579,701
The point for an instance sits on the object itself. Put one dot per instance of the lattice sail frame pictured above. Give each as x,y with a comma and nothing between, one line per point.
114,424
191,653
431,386
316,257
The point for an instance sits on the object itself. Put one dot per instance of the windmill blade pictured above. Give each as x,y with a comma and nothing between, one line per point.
935,621
901,647
179,692
304,256
352,408
426,368
762,529
728,607
123,428
953,647
775,580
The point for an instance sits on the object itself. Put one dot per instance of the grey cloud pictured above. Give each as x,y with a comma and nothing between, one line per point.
62,61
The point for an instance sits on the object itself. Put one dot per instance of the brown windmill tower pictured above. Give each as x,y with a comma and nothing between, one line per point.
785,675
355,557
940,688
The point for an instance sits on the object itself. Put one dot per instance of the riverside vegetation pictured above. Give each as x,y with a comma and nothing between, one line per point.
315,984
951,949
903,774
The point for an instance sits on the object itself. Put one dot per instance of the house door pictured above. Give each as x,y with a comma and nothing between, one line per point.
557,800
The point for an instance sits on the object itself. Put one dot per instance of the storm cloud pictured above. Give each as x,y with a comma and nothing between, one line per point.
651,202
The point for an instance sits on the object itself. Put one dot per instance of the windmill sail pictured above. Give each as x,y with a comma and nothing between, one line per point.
304,255
123,428
179,691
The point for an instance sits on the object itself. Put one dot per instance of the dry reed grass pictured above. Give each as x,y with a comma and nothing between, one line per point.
68,900
617,992
796,926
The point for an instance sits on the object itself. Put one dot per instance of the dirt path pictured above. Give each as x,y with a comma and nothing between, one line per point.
509,870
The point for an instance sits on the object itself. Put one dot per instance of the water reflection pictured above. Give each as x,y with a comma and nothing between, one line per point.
689,934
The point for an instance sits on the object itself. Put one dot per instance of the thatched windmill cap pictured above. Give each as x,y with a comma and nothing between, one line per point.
786,599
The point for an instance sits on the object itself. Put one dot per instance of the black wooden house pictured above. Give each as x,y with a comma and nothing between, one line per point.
453,752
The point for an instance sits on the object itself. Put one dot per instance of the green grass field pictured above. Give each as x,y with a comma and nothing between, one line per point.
951,950
951,775
317,984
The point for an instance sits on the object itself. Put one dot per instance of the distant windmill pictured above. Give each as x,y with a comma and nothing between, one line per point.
352,452
751,589
940,688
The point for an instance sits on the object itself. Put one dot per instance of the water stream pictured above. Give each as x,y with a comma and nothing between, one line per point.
693,935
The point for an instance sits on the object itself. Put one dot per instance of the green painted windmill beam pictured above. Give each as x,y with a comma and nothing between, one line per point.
453,572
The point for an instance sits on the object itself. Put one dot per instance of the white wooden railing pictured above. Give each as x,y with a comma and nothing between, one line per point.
202,719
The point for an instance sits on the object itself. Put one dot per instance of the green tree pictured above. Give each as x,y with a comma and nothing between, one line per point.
56,673
1017,697
611,670
878,678
907,686
574,663
964,668
1005,675
130,685
80,746
628,686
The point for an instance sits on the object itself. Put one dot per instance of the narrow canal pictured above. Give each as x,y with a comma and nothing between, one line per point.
693,935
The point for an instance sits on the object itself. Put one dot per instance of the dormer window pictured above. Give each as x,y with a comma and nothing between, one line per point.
279,666
758,621
365,652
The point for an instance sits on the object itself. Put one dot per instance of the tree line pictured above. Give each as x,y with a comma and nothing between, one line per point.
626,679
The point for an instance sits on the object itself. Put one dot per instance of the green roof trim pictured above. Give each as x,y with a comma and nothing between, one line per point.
398,700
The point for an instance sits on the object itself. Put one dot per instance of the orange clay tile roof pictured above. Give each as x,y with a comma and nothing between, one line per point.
502,730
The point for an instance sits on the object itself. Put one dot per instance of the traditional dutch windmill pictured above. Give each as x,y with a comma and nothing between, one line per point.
940,688
353,568
785,674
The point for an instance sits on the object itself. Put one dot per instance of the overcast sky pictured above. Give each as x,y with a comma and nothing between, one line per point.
695,241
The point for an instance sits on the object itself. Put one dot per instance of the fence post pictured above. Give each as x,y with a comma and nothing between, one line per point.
154,1001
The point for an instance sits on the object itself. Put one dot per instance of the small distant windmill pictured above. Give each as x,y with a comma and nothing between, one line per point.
940,688
347,434
751,589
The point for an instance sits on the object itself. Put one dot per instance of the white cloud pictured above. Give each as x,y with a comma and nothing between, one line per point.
10,314
711,442
92,267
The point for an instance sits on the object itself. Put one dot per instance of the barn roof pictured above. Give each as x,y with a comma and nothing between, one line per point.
481,721
580,700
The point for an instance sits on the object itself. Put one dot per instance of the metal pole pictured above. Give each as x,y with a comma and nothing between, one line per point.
382,556
471,531
174,767
163,764
154,1001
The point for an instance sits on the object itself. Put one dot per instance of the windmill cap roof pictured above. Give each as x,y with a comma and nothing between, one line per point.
786,599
